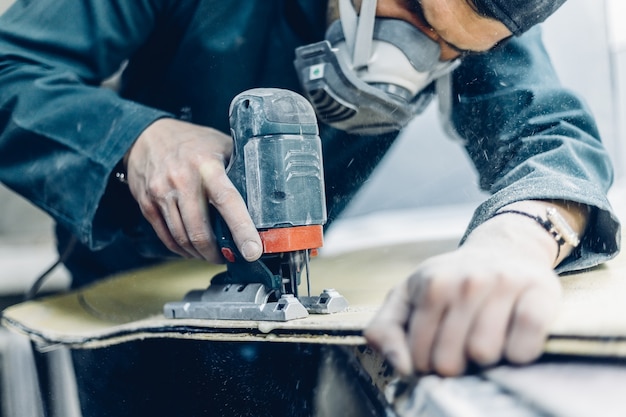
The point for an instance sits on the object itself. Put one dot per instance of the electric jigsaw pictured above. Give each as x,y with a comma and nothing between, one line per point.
277,167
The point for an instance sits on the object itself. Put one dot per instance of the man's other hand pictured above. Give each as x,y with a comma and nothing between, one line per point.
493,298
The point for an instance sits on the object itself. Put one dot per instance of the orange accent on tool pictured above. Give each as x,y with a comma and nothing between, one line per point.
289,239
228,254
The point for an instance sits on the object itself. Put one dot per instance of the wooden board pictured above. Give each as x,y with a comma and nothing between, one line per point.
592,320
129,306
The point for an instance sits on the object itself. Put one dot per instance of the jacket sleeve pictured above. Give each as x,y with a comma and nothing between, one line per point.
61,135
529,138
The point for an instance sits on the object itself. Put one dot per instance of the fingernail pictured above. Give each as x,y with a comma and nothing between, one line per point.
251,250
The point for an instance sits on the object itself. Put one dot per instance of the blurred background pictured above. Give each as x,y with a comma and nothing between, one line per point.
430,184
426,179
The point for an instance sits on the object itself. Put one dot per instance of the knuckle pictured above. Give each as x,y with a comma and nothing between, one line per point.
509,282
161,187
449,367
420,284
471,285
224,196
476,283
180,239
149,210
483,353
434,291
211,165
202,242
178,177
529,321
156,189
205,244
182,242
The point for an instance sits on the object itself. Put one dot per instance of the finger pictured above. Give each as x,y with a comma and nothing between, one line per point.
431,300
386,332
532,315
152,213
194,215
485,342
231,206
449,346
172,217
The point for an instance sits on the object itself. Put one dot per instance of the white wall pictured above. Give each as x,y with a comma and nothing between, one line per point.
4,4
616,12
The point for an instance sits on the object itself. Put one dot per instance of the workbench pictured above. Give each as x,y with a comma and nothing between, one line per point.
581,374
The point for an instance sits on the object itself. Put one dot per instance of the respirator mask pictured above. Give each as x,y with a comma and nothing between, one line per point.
367,76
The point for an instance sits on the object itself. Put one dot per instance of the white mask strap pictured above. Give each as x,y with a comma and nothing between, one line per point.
349,21
358,31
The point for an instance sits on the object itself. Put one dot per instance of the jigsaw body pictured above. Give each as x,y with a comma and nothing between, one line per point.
277,167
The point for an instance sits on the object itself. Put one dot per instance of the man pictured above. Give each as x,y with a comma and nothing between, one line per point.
535,145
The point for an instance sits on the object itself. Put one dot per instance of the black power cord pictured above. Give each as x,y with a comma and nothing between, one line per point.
41,279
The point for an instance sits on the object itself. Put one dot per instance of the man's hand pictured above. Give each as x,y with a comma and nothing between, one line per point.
175,169
492,298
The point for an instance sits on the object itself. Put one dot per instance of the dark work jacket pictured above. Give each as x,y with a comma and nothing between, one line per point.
62,134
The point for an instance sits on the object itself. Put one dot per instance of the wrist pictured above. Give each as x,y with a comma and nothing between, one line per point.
553,227
511,233
553,223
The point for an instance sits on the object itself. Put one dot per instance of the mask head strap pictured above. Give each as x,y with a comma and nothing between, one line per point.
358,30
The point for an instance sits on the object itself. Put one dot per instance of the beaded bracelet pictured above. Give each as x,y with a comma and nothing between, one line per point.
554,224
